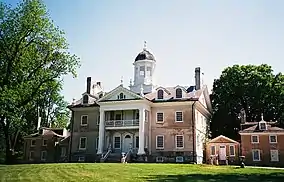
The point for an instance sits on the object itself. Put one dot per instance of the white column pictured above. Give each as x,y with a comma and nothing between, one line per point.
141,150
101,132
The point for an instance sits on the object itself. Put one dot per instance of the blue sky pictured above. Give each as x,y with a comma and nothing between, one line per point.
108,34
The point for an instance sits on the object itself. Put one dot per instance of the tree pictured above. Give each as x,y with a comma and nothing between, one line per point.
252,88
33,54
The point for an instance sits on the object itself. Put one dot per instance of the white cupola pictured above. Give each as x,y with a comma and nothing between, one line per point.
144,67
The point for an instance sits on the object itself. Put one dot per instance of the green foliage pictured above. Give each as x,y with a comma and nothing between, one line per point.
256,89
33,58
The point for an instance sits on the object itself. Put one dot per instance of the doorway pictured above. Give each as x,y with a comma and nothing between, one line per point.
127,143
222,152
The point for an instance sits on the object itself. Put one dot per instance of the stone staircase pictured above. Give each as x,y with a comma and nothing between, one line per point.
113,158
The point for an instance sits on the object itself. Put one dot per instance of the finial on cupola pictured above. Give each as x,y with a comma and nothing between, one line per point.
262,117
145,45
130,82
121,81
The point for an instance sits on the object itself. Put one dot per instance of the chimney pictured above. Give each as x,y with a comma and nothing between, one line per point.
89,79
197,78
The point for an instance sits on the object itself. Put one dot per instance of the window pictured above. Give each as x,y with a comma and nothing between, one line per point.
33,143
121,96
137,141
213,150
149,71
44,142
81,159
160,94
97,142
262,125
179,117
32,154
232,150
179,141
254,139
142,70
83,143
274,157
160,142
84,120
101,95
178,93
256,155
85,99
63,151
160,117
117,142
272,139
43,155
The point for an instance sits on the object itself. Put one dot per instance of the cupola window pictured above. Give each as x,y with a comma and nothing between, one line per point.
178,93
160,94
262,124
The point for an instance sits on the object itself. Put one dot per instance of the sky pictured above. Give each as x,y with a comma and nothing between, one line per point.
107,35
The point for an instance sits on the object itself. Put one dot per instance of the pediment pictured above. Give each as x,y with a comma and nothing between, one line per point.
222,139
120,93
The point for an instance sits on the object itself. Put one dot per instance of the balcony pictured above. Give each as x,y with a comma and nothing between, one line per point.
134,123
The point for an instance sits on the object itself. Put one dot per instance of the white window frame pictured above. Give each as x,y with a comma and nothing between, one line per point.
81,159
157,147
120,138
270,138
253,155
41,155
43,142
182,141
277,156
234,149
80,148
157,117
181,117
252,138
82,120
212,146
30,156
32,142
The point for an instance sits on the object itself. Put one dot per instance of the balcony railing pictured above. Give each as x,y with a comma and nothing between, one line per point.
122,123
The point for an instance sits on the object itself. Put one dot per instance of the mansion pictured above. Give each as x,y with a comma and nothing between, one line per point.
161,123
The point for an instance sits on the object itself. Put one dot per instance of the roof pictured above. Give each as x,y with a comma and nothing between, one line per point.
222,137
47,132
145,55
255,129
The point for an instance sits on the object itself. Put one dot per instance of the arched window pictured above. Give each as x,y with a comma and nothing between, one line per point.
178,93
160,94
85,99
121,96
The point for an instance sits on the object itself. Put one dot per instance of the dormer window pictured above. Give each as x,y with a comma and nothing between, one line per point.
85,99
101,95
160,94
178,93
262,125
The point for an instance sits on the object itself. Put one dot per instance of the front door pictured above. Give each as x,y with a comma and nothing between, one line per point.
127,143
222,152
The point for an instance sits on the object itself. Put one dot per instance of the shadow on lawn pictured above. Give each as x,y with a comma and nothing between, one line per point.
272,177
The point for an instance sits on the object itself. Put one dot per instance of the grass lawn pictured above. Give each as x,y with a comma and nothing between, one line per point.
135,172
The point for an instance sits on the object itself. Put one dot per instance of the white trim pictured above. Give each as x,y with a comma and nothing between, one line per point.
157,141
157,117
234,149
80,148
211,150
182,141
32,142
263,133
43,142
277,154
181,117
41,155
252,139
221,136
82,120
258,154
30,158
275,138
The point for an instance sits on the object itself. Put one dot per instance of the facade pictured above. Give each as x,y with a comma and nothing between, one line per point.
153,123
223,149
46,146
260,143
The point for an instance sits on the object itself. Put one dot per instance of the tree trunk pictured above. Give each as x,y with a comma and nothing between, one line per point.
9,156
